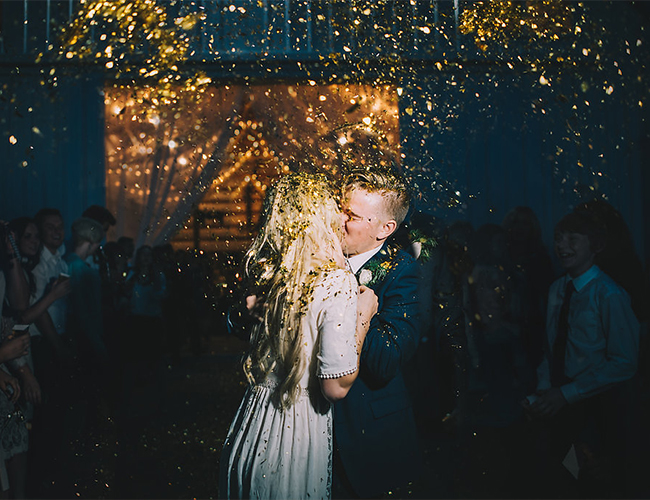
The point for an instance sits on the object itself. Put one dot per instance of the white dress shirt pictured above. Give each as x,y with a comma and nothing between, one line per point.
50,266
356,262
603,339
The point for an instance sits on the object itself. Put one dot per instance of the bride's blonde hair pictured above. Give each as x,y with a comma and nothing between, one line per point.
299,240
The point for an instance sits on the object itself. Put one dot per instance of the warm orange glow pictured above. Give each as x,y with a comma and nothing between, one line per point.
276,128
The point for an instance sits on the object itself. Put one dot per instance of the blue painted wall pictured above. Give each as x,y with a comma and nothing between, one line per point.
500,138
57,159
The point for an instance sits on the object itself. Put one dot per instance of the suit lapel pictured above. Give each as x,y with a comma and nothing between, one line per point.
375,262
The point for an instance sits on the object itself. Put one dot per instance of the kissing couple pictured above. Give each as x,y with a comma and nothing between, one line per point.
332,315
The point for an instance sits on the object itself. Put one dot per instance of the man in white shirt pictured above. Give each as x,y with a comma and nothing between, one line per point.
51,264
600,347
592,353
53,361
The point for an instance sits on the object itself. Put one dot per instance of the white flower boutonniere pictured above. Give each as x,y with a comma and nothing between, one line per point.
373,272
365,277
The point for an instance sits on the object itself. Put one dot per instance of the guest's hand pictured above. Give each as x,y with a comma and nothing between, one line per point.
548,403
60,288
32,389
10,386
526,403
255,307
14,348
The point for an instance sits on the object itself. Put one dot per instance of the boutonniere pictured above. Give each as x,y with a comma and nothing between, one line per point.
426,243
373,272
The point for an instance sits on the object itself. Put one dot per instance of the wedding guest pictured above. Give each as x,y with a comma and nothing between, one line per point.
304,351
51,265
54,363
451,341
14,351
142,340
440,315
29,246
593,342
492,429
100,214
619,258
128,247
117,263
377,448
32,396
147,289
533,271
85,320
104,216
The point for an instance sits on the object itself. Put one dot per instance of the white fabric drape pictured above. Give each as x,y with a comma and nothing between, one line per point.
166,162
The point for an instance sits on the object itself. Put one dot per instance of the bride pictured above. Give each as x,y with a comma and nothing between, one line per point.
305,351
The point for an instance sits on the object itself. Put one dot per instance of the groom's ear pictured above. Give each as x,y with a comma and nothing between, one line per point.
387,229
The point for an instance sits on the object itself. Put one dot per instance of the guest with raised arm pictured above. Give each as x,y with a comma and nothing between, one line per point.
14,353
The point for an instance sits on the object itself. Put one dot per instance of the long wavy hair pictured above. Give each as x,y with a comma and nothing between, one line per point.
298,241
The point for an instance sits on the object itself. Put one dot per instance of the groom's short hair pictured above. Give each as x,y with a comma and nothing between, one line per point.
386,182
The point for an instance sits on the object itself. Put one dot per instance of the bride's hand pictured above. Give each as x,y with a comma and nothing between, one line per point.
367,304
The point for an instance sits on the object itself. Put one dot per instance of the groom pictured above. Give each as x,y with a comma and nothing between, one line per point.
374,429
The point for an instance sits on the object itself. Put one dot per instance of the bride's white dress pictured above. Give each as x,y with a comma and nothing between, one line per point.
273,453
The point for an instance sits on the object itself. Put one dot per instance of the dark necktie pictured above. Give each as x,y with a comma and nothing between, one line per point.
558,377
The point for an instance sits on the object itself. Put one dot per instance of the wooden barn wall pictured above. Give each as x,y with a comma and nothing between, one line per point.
58,156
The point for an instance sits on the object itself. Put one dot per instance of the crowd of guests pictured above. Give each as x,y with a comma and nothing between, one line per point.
100,314
541,388
84,321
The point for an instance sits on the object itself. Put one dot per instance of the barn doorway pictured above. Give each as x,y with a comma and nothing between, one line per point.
193,173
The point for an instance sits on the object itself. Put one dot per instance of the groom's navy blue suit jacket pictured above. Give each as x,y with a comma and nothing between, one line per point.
374,427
